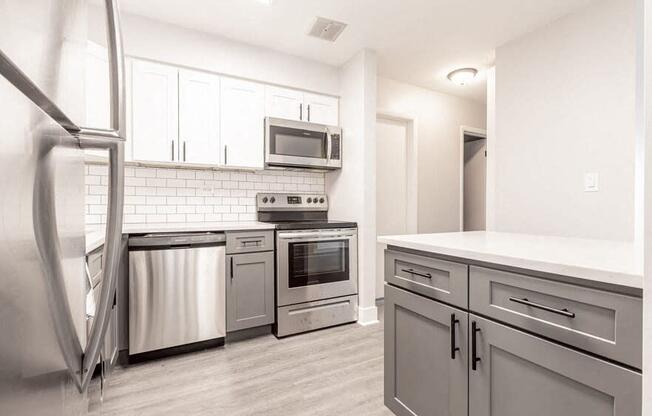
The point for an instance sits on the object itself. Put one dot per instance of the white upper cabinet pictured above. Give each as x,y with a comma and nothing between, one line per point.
97,86
322,109
296,105
283,103
155,115
199,103
242,115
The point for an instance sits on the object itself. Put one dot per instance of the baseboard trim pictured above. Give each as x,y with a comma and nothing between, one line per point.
368,316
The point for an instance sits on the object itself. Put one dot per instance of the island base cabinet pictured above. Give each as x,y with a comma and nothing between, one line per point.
519,374
426,356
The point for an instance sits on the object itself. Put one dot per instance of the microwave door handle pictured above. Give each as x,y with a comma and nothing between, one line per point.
329,150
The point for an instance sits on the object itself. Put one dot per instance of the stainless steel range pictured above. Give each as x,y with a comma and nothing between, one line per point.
316,263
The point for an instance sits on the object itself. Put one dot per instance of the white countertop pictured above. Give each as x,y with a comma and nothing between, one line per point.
95,235
603,261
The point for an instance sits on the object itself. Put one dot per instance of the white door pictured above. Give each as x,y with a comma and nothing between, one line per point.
475,183
283,103
321,109
391,187
199,101
242,117
154,112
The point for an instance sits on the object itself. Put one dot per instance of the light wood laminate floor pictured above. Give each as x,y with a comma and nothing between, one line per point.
336,371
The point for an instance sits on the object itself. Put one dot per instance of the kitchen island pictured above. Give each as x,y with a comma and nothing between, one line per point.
485,323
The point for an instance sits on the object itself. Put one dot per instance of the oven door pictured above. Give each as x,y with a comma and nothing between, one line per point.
296,143
316,264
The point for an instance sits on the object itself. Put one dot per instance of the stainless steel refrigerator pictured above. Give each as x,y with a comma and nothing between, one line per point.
46,359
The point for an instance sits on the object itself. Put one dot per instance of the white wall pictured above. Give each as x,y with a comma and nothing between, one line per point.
146,38
438,119
564,105
352,190
644,44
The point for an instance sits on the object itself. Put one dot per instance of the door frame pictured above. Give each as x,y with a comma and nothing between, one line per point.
411,163
475,132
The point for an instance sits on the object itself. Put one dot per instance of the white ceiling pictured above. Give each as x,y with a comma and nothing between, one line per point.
418,41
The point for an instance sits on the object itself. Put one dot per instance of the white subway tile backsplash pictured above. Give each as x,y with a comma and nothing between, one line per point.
159,195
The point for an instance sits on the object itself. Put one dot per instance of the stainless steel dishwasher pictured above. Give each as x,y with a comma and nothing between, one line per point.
176,293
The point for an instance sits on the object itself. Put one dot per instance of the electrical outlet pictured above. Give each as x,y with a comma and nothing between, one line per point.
591,182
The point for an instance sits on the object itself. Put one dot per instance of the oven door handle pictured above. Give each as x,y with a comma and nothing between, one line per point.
316,235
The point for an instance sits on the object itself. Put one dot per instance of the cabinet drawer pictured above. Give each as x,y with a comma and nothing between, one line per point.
249,241
95,263
438,279
597,321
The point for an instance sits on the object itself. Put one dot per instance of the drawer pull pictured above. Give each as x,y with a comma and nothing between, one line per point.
412,271
564,312
252,243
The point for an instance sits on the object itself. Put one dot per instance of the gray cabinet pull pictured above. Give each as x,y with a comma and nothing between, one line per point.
564,312
308,112
225,155
412,271
172,148
184,150
231,267
300,111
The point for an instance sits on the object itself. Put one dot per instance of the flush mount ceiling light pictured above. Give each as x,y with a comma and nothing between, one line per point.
463,76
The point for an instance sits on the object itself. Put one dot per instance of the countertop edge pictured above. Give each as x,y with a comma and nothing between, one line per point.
629,280
95,238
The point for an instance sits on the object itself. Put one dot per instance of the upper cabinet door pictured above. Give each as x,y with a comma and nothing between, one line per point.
155,115
284,103
242,114
97,86
97,90
199,102
321,109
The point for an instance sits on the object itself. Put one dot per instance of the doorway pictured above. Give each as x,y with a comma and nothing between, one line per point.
473,181
395,184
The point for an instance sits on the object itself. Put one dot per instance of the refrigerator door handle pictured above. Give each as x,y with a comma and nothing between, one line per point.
113,141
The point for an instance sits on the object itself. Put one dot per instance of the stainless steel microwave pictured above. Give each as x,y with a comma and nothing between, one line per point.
290,143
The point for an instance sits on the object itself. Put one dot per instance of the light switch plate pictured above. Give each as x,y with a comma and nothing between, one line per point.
591,182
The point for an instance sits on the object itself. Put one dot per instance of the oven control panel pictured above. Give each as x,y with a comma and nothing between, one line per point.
291,202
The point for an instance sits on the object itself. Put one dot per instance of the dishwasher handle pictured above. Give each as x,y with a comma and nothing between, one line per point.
180,240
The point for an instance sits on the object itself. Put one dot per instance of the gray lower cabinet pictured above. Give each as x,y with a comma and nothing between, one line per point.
426,356
518,374
249,290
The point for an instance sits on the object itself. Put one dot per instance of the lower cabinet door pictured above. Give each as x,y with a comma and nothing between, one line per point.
249,290
519,374
426,356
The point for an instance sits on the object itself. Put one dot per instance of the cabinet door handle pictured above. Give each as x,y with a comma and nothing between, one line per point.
454,347
231,267
184,150
308,112
300,111
225,155
564,312
172,147
412,271
474,346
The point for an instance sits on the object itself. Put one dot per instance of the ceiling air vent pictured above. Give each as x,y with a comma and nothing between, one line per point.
326,29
